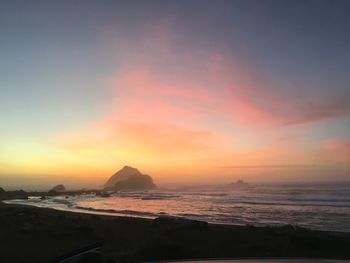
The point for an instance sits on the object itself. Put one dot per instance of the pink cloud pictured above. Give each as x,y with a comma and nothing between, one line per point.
339,149
167,139
172,103
222,86
160,140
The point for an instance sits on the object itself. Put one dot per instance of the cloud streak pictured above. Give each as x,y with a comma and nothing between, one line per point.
182,107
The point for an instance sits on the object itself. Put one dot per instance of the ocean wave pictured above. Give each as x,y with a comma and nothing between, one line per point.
120,212
68,203
148,196
330,200
207,194
324,209
159,197
294,204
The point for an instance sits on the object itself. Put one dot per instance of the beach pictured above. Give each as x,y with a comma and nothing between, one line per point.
31,234
174,131
315,206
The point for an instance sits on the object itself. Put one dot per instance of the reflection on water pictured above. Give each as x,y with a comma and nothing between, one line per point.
325,207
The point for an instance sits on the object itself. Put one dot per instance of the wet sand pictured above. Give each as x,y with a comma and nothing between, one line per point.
30,234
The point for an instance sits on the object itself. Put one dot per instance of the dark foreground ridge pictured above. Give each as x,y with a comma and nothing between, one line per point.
30,234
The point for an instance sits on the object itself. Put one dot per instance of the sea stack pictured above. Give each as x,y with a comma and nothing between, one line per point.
239,183
129,178
59,188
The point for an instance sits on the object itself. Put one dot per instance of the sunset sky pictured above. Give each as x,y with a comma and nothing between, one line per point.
186,91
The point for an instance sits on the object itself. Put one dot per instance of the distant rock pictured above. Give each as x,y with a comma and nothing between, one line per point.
129,178
2,191
239,183
135,182
103,194
17,194
121,175
59,188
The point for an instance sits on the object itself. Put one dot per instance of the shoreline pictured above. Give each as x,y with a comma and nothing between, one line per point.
42,234
91,211
151,216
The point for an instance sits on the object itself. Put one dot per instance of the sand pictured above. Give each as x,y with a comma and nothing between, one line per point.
30,234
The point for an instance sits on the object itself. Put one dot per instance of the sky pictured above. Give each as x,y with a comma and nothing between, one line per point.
195,92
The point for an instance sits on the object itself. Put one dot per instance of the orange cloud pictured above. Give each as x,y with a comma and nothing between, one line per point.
159,140
339,149
178,109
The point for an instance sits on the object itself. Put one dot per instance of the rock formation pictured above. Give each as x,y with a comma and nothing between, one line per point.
59,188
239,183
17,194
129,178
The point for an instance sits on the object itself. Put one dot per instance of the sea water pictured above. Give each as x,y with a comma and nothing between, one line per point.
322,206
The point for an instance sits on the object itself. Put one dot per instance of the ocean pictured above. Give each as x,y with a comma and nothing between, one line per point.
321,206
